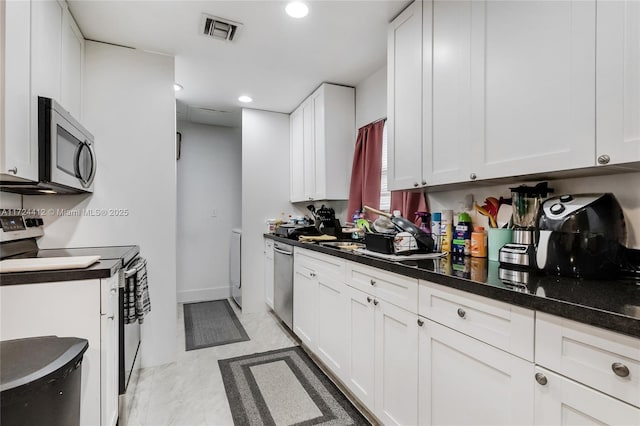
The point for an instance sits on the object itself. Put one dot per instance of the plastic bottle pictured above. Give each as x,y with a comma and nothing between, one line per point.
446,230
436,219
478,242
461,243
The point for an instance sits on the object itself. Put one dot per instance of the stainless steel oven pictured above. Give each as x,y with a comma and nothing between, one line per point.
128,349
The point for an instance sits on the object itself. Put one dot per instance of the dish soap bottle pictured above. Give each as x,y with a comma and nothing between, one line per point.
462,235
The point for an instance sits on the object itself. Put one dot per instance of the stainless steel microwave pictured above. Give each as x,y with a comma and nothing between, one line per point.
66,155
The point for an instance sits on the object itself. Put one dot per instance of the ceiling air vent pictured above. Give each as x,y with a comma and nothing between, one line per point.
219,28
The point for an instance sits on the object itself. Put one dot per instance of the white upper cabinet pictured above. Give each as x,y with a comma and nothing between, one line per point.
488,89
533,86
44,54
71,66
322,140
19,152
618,82
447,152
405,121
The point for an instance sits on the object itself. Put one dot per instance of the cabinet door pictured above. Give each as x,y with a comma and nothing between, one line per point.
319,147
405,69
305,286
331,335
618,82
560,401
309,150
268,272
361,347
109,351
396,365
46,42
20,156
533,86
448,158
71,66
297,156
464,381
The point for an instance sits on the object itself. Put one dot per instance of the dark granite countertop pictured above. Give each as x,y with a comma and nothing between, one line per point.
610,304
112,258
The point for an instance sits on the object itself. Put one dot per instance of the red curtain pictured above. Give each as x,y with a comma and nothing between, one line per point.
409,203
366,169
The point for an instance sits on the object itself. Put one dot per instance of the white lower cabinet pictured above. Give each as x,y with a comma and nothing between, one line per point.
383,358
85,309
464,381
305,287
331,333
561,401
268,272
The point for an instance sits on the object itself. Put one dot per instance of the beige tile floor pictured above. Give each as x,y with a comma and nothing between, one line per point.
190,391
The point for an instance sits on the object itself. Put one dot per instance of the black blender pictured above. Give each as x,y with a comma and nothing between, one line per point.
526,202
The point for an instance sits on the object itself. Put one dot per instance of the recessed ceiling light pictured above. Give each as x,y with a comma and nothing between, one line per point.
297,9
177,87
245,99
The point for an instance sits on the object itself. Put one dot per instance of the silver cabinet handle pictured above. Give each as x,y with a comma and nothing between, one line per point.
113,291
420,322
13,170
111,317
415,184
369,299
473,176
375,302
461,313
541,378
313,274
372,282
424,182
620,369
604,159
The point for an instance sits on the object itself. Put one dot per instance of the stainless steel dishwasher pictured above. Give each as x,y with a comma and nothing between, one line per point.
283,282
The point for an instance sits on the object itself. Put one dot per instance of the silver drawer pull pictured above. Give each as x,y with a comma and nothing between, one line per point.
111,317
375,302
541,378
620,369
113,290
313,274
369,299
420,322
372,282
461,313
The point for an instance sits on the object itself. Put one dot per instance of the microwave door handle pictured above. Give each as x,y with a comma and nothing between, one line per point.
76,160
85,181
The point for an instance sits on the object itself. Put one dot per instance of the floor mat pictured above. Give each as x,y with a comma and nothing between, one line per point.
284,387
211,323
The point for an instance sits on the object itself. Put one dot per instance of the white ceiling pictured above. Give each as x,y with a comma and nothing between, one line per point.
275,59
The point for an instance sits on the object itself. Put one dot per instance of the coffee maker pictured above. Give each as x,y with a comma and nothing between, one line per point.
526,202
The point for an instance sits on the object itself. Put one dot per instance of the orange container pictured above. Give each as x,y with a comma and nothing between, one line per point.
478,242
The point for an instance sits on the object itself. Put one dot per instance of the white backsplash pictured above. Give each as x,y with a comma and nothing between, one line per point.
626,188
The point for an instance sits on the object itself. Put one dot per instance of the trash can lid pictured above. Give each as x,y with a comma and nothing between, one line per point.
30,360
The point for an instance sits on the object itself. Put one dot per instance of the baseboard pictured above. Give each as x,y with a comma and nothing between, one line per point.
212,293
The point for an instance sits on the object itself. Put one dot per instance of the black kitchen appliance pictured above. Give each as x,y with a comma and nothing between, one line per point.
293,231
582,235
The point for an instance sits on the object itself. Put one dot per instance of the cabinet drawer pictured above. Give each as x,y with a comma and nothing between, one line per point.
393,288
499,324
601,359
326,265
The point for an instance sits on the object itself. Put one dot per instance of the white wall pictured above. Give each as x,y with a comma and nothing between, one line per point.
129,106
371,98
10,201
209,178
265,194
623,186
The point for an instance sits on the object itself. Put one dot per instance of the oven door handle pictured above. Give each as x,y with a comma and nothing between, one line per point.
129,273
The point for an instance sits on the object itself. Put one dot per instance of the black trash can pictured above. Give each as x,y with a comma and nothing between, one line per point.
40,380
